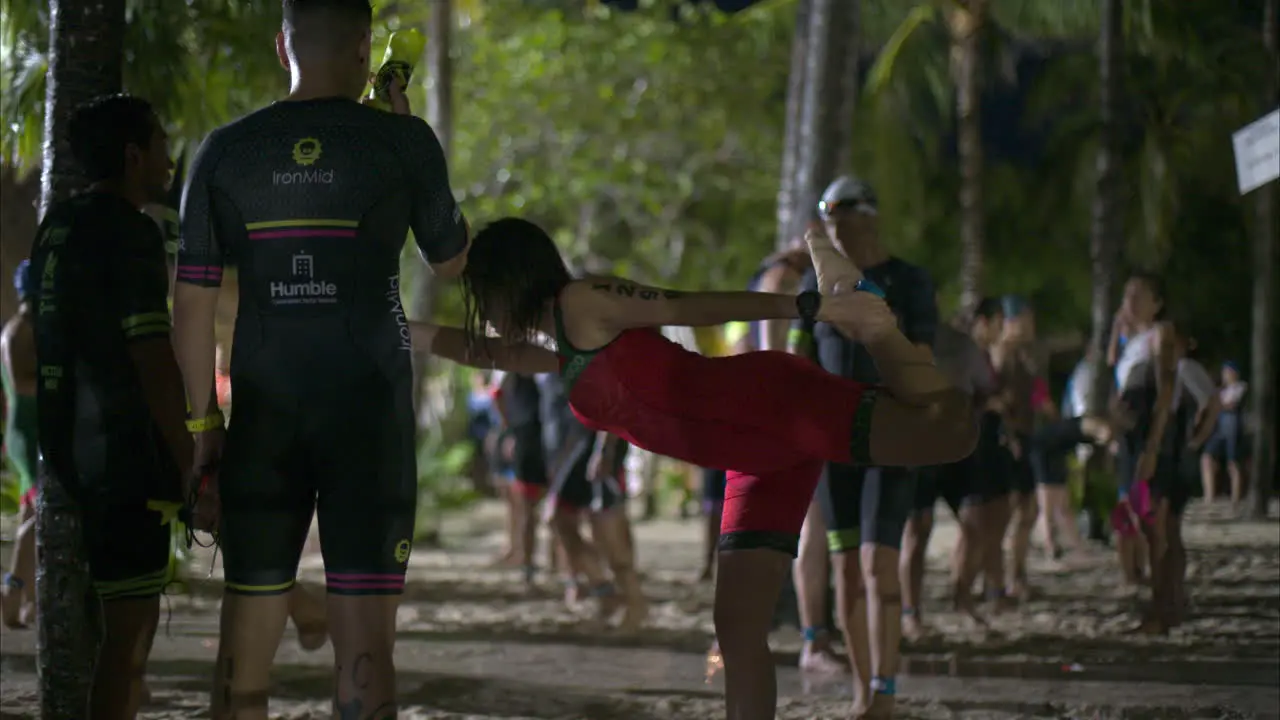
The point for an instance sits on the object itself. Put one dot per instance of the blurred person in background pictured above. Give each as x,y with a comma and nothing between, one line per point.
1175,406
1129,353
960,484
867,508
1026,399
1226,440
19,378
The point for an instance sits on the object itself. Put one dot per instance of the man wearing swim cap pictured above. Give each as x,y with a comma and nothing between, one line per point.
866,509
111,420
18,375
313,196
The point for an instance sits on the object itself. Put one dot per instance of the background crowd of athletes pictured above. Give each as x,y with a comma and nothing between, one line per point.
1050,507
1003,328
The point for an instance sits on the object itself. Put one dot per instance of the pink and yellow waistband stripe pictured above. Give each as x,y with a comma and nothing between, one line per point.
311,228
364,583
200,272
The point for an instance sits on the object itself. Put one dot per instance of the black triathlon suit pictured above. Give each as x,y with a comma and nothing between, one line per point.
521,402
861,504
570,445
969,370
314,200
100,265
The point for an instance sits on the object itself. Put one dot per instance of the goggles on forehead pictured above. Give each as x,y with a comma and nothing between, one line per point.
827,209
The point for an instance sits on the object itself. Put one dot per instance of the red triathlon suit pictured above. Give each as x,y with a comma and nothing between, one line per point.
770,419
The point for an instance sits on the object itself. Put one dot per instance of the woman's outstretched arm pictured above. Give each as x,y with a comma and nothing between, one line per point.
622,305
451,344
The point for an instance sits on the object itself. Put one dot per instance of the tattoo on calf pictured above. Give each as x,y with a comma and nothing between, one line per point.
361,677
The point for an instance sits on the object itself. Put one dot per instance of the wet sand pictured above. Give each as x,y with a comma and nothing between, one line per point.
475,644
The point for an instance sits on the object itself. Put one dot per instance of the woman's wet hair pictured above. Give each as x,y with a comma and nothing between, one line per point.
514,268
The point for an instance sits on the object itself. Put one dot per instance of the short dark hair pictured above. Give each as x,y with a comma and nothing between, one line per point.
101,129
349,10
988,308
1154,282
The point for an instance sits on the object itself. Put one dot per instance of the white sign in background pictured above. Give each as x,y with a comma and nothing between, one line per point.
1257,148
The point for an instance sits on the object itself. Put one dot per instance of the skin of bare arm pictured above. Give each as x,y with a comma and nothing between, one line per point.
1166,378
784,280
194,344
17,346
452,268
162,388
451,344
1206,421
622,305
601,457
1113,344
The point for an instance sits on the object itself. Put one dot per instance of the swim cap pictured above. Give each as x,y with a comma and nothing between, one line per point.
1014,305
20,279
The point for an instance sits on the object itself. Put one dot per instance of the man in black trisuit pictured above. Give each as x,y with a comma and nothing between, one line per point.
313,197
110,400
866,509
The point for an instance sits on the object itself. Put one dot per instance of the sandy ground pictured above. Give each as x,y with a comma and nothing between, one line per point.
474,644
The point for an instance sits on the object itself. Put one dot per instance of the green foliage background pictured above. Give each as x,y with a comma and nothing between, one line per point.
651,146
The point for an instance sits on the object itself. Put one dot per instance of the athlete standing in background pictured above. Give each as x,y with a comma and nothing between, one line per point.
867,508
959,484
110,395
18,375
783,272
1226,438
314,197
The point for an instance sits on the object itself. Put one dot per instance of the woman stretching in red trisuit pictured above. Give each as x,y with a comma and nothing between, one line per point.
771,419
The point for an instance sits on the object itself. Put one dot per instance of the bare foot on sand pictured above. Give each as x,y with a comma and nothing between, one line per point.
962,602
1022,592
609,605
820,660
635,614
505,559
881,708
1150,625
913,628
12,608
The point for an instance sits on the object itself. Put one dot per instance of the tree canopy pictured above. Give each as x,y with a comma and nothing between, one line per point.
649,140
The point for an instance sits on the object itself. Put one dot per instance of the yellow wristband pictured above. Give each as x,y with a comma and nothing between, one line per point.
213,421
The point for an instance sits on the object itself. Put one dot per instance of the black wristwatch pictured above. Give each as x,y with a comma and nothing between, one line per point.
807,304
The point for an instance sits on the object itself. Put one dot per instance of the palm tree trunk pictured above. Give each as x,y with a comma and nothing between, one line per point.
440,117
86,59
1264,302
786,213
1105,239
967,23
831,34
850,84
